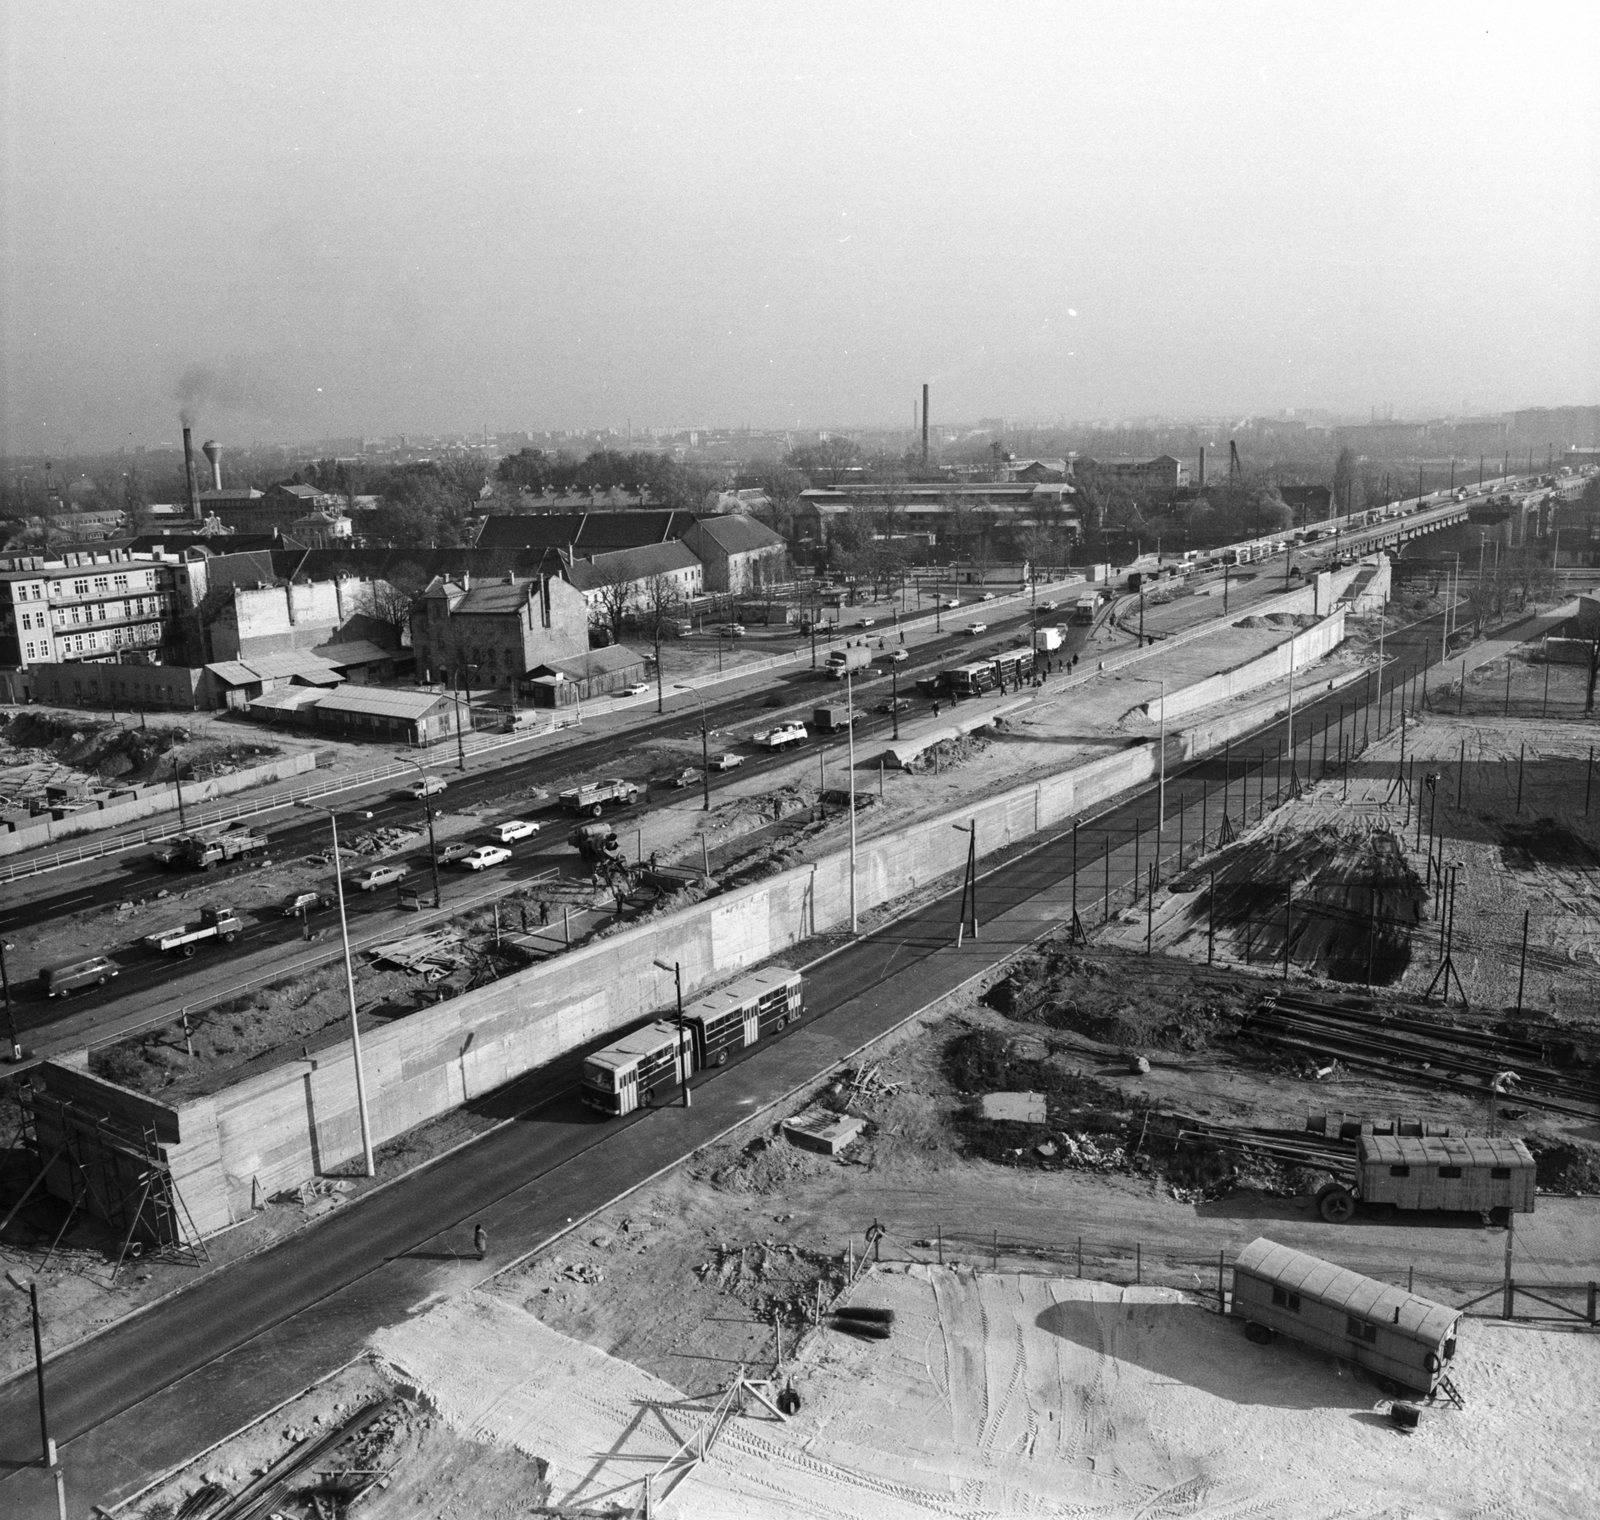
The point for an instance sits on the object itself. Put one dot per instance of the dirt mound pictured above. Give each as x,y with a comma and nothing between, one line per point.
114,751
1562,1167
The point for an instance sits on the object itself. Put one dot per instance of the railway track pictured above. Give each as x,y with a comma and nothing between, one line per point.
1465,1060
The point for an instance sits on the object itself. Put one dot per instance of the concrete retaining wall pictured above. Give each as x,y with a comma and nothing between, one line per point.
1303,650
160,799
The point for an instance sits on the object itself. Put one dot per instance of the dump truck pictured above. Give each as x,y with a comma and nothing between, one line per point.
214,923
842,661
834,718
202,853
593,797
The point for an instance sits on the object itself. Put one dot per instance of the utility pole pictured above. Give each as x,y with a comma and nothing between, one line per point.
850,713
685,1063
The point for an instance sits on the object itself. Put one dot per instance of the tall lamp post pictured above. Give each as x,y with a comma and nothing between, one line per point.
850,724
11,1017
676,968
47,1457
427,803
370,1169
705,746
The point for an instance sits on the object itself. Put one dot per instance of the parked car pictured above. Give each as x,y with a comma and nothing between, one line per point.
988,596
427,786
381,876
976,628
638,689
954,601
866,622
894,705
726,761
897,656
688,776
453,851
307,902
484,856
513,829
63,981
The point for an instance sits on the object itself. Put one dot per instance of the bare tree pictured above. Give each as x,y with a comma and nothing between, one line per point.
616,597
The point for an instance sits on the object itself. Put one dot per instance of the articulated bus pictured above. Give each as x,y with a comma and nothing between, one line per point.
645,1067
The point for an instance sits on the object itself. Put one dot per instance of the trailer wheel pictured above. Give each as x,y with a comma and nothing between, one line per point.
1257,1334
1336,1203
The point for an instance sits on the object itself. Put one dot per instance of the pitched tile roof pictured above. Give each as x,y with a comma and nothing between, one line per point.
735,533
630,565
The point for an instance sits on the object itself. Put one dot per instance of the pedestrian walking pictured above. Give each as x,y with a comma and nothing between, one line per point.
480,1241
544,913
936,709
522,909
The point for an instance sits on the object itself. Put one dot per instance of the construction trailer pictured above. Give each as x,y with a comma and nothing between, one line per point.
1452,1172
1405,1342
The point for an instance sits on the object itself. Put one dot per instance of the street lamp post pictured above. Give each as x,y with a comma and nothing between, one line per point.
427,803
350,988
686,1065
11,1017
47,1455
850,716
894,700
705,746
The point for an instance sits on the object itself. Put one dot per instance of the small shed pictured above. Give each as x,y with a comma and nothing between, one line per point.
359,660
288,704
561,683
372,712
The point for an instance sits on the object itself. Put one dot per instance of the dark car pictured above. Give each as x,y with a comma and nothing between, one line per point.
63,981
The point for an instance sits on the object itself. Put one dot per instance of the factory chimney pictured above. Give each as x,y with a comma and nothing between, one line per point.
188,474
924,425
213,451
1202,481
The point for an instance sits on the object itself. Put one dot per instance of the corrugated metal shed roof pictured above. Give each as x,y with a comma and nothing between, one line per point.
1312,1277
288,662
1444,1150
352,652
233,673
384,702
598,662
287,699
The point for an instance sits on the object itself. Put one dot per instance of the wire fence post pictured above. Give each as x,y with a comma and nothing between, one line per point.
1222,1301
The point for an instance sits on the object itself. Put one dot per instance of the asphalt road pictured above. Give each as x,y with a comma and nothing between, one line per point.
166,1382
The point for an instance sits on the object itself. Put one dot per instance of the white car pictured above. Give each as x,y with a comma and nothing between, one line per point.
638,689
486,855
897,656
513,829
988,596
380,876
726,761
865,622
428,786
1047,606
977,628
954,601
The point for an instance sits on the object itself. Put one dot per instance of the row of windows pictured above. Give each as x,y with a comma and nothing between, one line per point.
102,585
1497,1173
133,608
112,638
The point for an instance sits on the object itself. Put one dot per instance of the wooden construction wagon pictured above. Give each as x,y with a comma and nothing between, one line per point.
1405,1342
1478,1176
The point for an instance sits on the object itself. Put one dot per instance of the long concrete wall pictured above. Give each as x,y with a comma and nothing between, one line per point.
161,799
275,1130
1298,653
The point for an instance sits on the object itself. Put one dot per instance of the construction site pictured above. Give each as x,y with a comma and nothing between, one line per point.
1351,904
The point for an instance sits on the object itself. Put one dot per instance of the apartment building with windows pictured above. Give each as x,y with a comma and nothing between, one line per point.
85,607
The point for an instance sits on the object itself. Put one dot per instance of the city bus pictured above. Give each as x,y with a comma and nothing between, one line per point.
972,680
645,1067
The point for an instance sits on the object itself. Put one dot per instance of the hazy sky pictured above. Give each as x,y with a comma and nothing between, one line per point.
351,218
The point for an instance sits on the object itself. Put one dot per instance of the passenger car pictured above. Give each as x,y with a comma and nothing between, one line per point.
310,902
865,622
726,761
688,776
638,689
977,628
894,705
453,851
484,856
513,829
428,786
897,656
63,981
381,876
